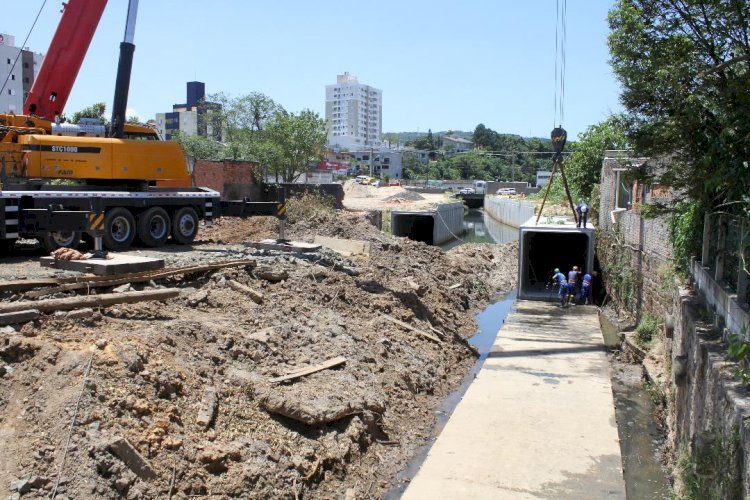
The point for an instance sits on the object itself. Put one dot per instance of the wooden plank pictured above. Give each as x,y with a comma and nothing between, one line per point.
106,299
340,360
13,318
409,327
21,285
98,282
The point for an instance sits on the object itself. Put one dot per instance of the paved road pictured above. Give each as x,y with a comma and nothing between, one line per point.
538,421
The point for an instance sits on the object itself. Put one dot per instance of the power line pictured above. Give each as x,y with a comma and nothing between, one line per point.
20,51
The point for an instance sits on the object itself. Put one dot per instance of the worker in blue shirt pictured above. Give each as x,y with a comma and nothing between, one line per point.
573,276
586,289
562,293
583,213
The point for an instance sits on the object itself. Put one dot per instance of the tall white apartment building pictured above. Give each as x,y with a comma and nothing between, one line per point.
354,114
18,67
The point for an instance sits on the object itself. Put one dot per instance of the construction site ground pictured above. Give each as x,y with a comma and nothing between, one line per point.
177,397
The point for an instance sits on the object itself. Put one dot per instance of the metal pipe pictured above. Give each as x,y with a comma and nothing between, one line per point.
130,23
124,67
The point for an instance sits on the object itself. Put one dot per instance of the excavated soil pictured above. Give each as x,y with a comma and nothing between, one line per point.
187,381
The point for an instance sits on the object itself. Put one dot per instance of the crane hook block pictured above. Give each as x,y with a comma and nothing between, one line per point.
559,136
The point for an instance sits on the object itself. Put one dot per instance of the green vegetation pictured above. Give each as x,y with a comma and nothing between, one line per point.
683,67
255,128
739,351
714,468
496,156
311,206
686,232
646,331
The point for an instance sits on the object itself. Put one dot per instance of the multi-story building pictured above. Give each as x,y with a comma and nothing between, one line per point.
18,68
191,118
354,114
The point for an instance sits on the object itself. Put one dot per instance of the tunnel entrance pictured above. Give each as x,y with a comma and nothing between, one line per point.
544,247
419,227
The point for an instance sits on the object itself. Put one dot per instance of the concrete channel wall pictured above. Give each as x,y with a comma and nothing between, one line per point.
510,212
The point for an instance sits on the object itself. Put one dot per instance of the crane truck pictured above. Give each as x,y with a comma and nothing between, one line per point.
59,181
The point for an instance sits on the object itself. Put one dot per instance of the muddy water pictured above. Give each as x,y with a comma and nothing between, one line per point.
640,435
479,227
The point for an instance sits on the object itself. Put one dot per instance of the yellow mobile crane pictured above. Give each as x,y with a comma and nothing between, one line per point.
114,171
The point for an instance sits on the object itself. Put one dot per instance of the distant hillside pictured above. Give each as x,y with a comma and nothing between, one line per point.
410,136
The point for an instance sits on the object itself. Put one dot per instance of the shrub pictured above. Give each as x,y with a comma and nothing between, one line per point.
309,206
646,330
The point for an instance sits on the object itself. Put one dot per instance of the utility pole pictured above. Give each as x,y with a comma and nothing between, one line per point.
371,153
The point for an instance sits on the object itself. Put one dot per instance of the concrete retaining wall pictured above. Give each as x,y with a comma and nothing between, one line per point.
434,227
510,212
449,223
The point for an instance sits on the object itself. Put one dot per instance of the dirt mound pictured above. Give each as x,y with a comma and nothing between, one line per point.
406,195
179,398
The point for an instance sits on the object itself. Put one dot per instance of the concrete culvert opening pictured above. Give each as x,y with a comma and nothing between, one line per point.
419,227
545,247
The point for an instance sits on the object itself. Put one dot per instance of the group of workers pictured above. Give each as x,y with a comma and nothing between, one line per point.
574,286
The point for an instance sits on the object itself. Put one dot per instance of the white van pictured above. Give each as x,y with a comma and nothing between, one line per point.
480,187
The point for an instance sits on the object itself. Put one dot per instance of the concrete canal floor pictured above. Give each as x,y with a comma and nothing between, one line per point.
538,421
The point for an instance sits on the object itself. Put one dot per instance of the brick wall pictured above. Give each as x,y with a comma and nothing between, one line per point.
635,242
233,179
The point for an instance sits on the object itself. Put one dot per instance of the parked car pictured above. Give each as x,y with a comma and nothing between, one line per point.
506,191
467,191
360,179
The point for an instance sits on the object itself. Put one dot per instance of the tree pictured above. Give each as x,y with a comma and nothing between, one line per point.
96,110
296,141
683,66
583,167
202,148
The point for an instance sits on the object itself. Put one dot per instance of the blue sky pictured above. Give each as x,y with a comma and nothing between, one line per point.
441,65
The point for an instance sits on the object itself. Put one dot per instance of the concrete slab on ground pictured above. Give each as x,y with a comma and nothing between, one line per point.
343,246
113,264
284,246
537,422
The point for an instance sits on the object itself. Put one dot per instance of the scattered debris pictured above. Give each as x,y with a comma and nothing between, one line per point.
411,328
22,316
331,363
256,296
67,304
209,404
122,449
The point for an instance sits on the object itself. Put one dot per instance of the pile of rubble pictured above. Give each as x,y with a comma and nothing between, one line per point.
287,374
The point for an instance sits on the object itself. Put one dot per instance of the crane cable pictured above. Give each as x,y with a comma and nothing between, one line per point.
561,36
20,51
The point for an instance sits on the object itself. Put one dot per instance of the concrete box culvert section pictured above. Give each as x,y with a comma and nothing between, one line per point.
434,227
555,242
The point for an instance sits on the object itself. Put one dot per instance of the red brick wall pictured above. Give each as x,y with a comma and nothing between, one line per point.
233,179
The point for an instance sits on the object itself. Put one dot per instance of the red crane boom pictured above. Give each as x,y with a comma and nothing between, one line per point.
61,64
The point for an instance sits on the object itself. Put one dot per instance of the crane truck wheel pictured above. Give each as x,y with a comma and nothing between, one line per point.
7,246
185,225
153,227
119,229
53,240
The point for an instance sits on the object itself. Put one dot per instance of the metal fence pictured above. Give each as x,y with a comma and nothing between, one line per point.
726,251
